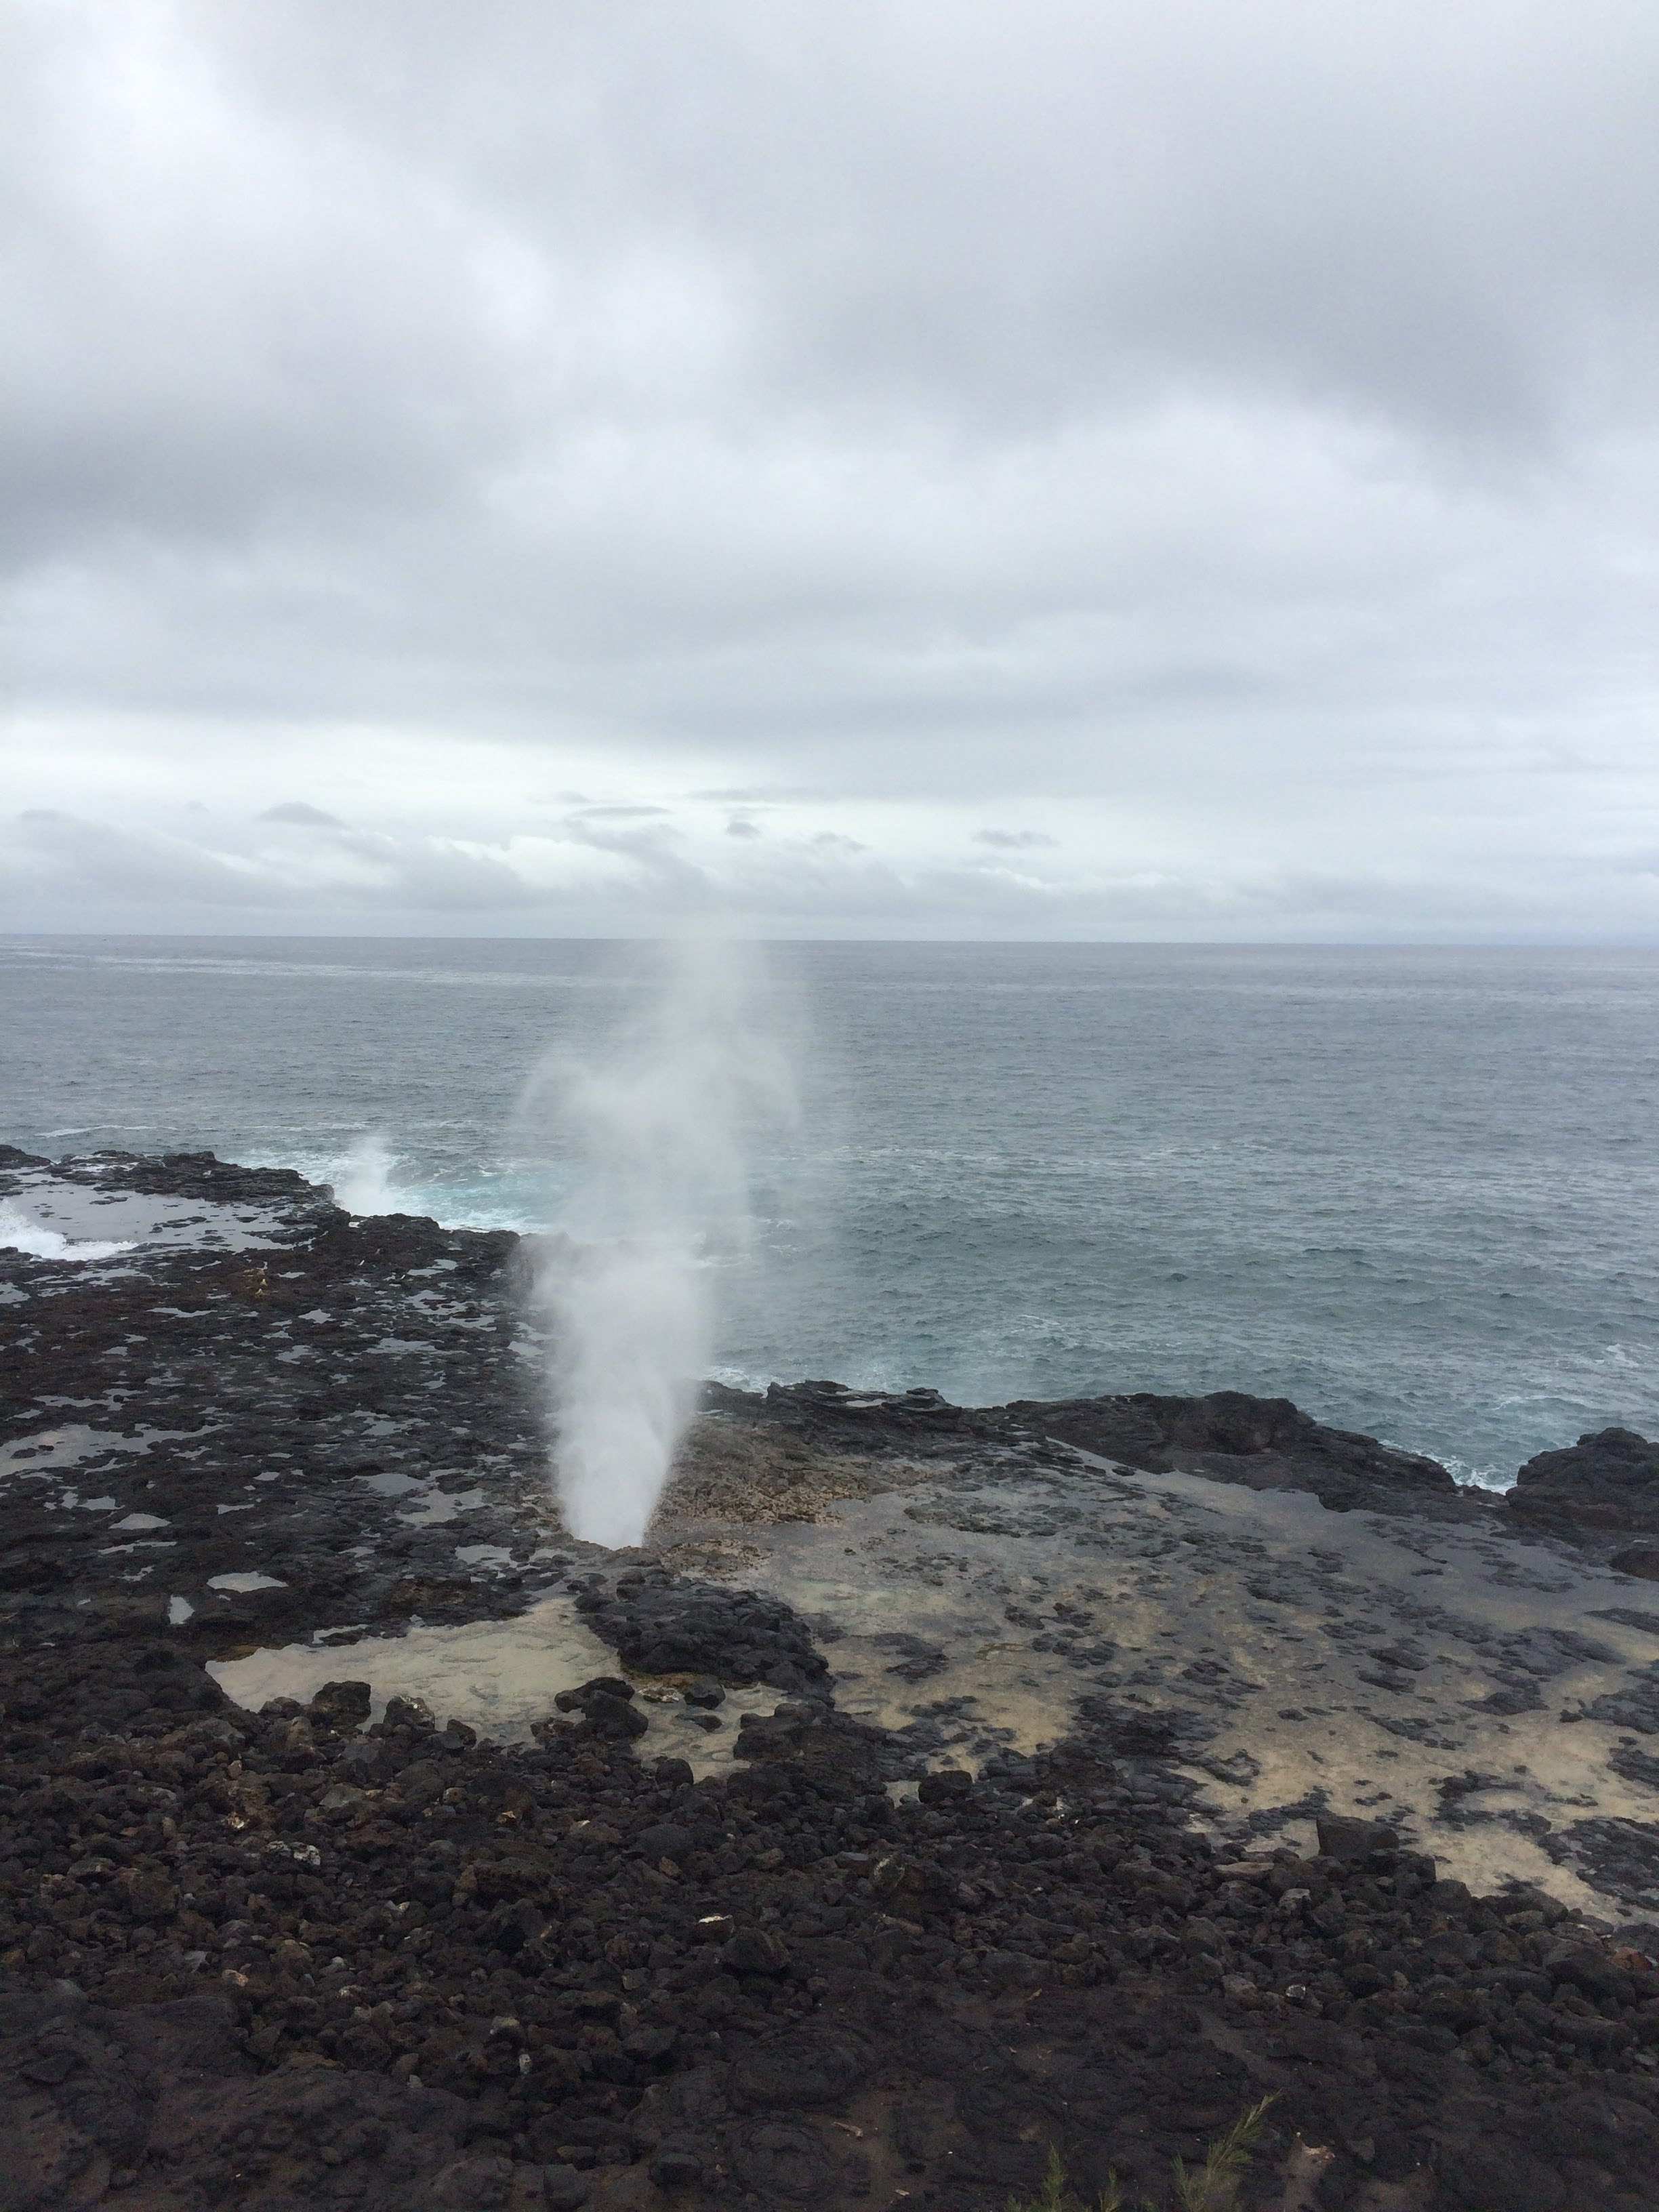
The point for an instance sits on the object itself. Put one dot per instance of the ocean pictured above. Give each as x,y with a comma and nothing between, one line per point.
1416,1190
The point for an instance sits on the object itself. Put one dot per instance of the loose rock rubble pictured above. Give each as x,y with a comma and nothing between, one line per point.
273,1960
304,1956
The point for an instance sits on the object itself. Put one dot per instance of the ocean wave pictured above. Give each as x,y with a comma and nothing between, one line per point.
19,1234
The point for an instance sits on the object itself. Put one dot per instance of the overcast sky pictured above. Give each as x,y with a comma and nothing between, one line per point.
880,467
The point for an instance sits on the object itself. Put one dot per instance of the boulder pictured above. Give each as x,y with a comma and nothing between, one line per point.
665,1839
1607,1479
660,1624
754,1951
1354,1841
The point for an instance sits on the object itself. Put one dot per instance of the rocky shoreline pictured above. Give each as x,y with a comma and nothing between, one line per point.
841,1885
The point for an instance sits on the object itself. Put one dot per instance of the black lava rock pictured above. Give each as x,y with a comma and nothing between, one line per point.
1354,1841
754,1951
676,2169
602,1686
276,1959
660,1624
665,1839
1265,1443
1608,1479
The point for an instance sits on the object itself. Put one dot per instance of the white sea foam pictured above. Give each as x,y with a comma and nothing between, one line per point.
21,1234
661,1127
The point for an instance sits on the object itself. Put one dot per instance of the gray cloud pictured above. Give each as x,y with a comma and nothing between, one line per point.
306,818
1224,443
621,813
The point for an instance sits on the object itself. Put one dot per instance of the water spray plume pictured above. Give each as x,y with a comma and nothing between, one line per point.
365,1185
661,1130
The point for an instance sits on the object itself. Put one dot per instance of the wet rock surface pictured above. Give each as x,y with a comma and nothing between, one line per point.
303,1956
1265,1443
331,1426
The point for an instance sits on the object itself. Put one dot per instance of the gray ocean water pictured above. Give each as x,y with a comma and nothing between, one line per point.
1415,1190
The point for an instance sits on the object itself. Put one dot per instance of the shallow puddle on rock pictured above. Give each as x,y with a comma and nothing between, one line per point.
1316,1663
443,1505
101,1224
499,1677
48,1451
389,1484
917,1641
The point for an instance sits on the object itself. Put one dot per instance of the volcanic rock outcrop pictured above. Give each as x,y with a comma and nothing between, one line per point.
344,1950
1610,1479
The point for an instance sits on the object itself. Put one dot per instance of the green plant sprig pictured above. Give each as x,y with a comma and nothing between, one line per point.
1213,2187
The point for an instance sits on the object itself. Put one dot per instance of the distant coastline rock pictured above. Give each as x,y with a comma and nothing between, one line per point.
228,1298
1264,1444
1607,1479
